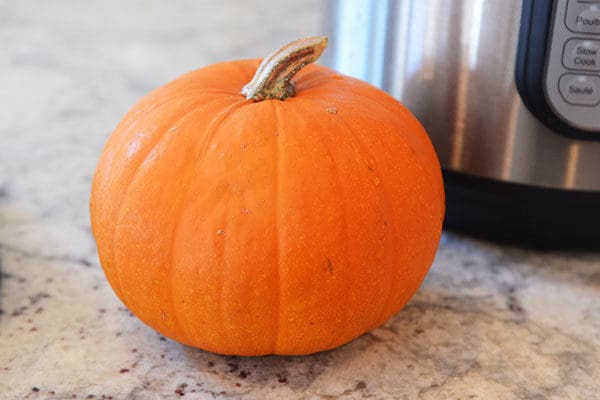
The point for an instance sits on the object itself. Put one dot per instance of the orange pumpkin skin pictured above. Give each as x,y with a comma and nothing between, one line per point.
251,228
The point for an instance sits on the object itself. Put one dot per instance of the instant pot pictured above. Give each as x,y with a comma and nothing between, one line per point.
509,92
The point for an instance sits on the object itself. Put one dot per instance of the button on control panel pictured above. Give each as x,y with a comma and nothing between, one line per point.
583,16
583,54
572,80
582,90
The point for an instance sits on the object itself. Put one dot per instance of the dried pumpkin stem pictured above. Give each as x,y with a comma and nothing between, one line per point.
272,79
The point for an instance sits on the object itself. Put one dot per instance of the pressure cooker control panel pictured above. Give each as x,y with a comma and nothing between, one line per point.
572,77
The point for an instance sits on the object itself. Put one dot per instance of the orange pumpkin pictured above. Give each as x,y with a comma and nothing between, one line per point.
287,222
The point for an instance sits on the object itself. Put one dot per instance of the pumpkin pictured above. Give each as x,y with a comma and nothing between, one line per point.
286,220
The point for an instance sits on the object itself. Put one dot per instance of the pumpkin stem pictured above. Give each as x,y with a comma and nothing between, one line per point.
272,79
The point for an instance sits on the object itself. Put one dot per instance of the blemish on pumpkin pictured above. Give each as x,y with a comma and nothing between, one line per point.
245,211
331,110
242,146
329,266
152,156
376,181
221,232
276,133
172,129
163,316
371,165
133,148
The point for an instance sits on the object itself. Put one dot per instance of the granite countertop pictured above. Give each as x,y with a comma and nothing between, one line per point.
490,321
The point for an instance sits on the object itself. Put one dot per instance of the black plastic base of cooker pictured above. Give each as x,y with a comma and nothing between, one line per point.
520,214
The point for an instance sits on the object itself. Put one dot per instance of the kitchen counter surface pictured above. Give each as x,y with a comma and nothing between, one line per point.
490,322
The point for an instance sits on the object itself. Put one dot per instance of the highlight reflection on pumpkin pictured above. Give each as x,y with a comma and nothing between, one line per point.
257,226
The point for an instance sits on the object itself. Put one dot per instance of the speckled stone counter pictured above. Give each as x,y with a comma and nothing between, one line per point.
490,322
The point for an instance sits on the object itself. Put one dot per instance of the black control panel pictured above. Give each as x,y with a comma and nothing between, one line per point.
558,65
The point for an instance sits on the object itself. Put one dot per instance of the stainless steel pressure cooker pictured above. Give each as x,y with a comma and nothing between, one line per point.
509,92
